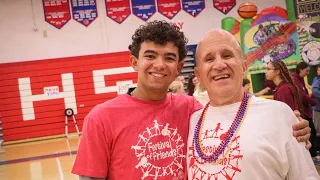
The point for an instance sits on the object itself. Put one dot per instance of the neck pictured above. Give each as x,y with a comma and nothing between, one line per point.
148,95
277,81
226,100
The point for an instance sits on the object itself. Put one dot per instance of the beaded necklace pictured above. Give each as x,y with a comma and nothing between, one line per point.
228,139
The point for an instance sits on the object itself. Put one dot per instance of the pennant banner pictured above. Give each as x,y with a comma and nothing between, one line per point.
169,8
56,12
224,6
84,11
193,7
143,9
118,10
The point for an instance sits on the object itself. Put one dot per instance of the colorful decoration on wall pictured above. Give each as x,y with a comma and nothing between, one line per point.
311,52
308,27
193,7
143,9
169,8
266,37
271,41
224,6
56,12
84,11
118,10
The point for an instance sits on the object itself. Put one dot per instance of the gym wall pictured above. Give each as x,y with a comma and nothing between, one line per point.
81,64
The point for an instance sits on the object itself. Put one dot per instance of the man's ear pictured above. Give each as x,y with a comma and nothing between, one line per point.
196,72
244,68
134,62
180,66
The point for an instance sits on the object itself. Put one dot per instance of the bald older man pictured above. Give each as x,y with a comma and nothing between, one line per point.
238,136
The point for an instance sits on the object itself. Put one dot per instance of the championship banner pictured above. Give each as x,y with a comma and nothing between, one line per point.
193,7
84,11
224,6
56,12
143,9
169,8
118,10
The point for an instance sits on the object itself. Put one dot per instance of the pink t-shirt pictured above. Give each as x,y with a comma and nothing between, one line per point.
128,138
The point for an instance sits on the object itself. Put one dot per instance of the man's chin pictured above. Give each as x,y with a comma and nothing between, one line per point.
223,91
158,88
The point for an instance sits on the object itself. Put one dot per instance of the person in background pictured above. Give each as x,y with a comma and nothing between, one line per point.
201,94
286,91
176,87
316,93
247,85
302,70
192,82
180,78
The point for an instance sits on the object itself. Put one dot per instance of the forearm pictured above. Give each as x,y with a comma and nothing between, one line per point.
90,178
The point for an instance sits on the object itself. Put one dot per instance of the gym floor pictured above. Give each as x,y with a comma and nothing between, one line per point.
42,160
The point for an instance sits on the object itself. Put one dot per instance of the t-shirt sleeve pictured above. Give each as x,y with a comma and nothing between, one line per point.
301,166
300,163
93,155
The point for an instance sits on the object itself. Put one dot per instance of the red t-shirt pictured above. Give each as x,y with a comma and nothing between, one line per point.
128,138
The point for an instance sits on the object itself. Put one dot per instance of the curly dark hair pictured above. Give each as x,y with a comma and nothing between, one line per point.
159,32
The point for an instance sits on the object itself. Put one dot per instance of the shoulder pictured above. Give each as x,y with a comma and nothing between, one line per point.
271,104
285,88
295,78
316,80
276,111
182,99
102,110
195,117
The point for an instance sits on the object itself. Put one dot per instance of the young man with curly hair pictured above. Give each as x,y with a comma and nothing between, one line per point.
143,134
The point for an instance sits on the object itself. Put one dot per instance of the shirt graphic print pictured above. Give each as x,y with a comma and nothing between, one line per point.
159,152
225,167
